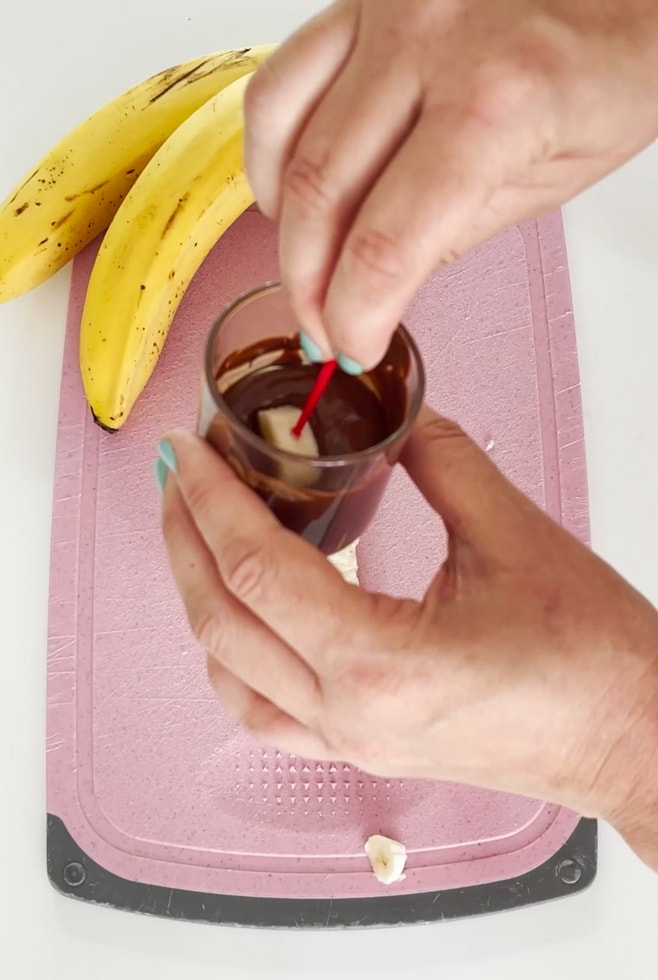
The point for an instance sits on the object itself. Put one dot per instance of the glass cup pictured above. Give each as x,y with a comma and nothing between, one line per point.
329,500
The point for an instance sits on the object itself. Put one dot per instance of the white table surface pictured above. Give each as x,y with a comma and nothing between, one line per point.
59,62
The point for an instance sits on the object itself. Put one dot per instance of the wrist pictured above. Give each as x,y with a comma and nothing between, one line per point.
635,811
625,789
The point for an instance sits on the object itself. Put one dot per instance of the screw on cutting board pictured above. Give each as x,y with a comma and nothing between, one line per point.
74,874
569,872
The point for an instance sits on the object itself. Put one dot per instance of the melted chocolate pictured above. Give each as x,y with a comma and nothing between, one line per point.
348,418
354,414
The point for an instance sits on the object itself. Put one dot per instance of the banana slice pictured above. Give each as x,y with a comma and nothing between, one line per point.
345,561
387,858
276,425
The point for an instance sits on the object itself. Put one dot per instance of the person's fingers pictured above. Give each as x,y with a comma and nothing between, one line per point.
226,629
417,215
264,720
477,503
285,90
349,139
282,579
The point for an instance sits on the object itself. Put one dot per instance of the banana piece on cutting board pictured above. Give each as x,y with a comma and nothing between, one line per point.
387,858
346,562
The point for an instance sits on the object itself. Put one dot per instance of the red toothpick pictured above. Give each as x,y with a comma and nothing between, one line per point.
318,389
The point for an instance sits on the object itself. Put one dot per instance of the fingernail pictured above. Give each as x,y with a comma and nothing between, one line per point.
310,348
160,470
167,455
348,365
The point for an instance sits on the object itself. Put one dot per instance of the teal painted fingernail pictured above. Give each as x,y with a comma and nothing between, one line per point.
167,455
310,348
348,365
160,470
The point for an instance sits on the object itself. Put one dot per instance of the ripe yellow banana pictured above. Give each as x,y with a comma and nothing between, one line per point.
74,192
187,196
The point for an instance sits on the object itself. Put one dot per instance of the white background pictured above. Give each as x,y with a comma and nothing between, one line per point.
58,63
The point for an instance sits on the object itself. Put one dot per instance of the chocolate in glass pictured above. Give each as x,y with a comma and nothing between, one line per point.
254,362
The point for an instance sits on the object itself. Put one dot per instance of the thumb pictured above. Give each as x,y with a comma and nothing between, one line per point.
457,478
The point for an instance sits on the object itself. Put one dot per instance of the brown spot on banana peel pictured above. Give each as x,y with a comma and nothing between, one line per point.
23,207
90,190
172,217
103,426
24,184
184,76
163,77
61,221
232,59
236,61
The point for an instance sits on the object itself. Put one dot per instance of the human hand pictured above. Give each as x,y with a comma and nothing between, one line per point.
390,136
529,666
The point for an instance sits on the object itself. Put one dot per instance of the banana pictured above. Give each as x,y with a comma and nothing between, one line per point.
187,196
276,426
345,561
387,858
74,192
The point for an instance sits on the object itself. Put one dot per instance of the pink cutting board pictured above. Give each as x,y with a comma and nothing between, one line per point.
146,774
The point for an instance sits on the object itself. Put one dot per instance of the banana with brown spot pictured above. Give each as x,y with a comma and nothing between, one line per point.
188,195
75,191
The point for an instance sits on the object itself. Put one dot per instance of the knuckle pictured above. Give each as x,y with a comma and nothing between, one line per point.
342,739
247,568
451,254
254,715
248,709
359,749
505,94
209,629
380,255
307,182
